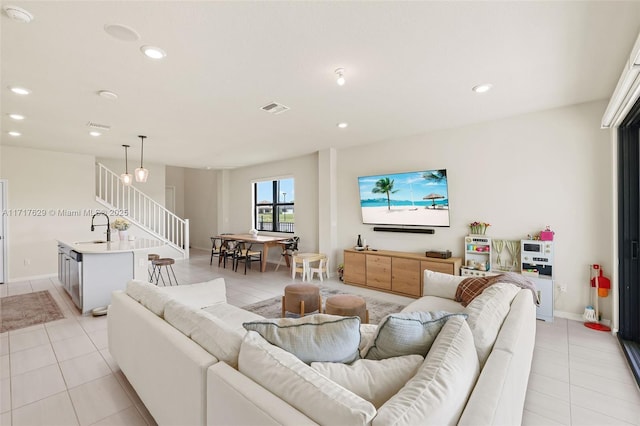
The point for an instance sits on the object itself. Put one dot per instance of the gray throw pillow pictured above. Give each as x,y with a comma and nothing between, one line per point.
407,333
313,338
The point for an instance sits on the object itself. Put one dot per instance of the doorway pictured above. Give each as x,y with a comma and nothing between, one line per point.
629,237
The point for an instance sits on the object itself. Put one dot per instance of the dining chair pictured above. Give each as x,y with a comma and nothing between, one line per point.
216,249
246,255
289,248
228,251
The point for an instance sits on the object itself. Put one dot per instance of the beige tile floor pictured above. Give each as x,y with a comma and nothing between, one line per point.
61,373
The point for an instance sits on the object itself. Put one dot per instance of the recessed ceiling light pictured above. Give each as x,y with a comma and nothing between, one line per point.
18,14
343,125
108,94
12,133
482,88
16,116
153,52
121,32
94,133
19,90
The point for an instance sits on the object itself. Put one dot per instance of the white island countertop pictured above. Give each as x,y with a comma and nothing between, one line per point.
117,246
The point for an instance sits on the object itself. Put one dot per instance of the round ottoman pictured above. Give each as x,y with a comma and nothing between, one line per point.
347,305
301,299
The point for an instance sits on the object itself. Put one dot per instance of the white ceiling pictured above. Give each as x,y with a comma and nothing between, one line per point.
409,66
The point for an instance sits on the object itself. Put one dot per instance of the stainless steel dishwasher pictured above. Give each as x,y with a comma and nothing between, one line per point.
70,273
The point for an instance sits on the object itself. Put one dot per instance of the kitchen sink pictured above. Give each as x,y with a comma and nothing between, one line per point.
91,242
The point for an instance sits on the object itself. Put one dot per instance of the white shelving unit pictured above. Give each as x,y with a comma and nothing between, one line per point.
477,256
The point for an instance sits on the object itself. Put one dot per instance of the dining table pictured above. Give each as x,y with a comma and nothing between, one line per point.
266,241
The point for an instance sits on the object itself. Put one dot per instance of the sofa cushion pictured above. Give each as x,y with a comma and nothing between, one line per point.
407,333
437,394
319,337
433,303
486,315
441,285
148,296
282,373
198,295
232,315
374,380
214,335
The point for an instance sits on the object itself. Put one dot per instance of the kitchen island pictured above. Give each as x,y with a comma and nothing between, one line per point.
91,270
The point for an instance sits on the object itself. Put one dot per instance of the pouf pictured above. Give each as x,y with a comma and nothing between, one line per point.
301,299
347,305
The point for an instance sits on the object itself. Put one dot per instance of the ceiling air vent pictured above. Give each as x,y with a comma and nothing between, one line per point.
98,126
275,108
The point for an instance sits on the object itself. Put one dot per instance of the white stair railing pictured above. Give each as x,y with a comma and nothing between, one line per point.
141,210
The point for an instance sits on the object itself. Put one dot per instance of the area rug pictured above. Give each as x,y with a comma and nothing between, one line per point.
378,309
28,309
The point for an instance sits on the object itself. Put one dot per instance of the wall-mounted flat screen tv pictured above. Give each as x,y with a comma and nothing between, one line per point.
415,198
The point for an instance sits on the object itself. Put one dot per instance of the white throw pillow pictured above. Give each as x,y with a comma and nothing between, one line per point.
293,381
374,380
407,333
148,295
319,337
217,338
438,392
486,315
441,285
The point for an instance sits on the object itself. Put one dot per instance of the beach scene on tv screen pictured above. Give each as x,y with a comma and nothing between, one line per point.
415,198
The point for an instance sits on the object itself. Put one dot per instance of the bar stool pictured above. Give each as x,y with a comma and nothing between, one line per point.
301,299
167,262
151,257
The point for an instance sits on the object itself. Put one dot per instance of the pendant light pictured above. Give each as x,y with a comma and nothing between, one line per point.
126,177
141,173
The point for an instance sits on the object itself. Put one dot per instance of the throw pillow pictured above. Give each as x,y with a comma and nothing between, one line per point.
373,380
407,333
319,337
486,315
438,392
470,288
441,285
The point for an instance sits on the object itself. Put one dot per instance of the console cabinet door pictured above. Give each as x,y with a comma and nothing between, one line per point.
445,268
378,271
355,270
405,277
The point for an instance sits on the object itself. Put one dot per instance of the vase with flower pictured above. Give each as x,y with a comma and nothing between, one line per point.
122,226
478,228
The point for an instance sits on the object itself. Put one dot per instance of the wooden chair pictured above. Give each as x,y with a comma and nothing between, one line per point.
216,249
323,267
228,251
246,255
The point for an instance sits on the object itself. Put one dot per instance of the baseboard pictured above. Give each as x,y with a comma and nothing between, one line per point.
32,278
577,317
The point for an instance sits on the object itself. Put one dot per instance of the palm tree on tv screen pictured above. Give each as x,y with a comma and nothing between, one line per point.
436,176
385,186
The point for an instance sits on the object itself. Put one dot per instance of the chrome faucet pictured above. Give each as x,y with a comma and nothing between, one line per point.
108,225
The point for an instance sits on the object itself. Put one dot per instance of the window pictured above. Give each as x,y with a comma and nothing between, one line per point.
274,205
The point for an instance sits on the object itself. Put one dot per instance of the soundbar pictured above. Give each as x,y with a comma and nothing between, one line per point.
408,230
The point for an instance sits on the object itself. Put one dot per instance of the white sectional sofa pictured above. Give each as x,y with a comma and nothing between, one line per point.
186,353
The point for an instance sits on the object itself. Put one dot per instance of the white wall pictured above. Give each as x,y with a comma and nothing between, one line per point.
519,174
175,177
200,206
305,173
46,182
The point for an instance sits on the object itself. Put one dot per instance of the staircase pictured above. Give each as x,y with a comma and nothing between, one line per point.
147,214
